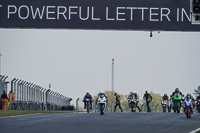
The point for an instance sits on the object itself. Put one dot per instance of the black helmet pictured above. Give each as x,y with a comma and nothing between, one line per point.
189,95
177,89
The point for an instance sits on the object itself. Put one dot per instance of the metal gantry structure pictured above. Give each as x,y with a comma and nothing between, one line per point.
29,96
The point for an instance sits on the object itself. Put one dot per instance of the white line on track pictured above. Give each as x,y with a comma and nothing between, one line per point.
198,129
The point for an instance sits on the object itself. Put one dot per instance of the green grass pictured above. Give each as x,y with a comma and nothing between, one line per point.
25,112
197,132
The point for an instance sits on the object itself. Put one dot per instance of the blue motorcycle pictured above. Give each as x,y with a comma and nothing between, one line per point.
188,107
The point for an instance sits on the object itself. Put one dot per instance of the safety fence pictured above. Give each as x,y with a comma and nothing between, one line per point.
29,96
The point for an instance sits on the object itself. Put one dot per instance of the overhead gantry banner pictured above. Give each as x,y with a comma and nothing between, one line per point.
140,15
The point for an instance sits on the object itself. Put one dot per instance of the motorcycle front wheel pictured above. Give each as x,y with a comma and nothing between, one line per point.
164,108
101,109
133,110
198,109
88,110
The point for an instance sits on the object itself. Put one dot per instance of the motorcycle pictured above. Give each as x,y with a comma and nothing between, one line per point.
198,105
187,105
171,106
177,102
88,104
102,103
132,103
164,105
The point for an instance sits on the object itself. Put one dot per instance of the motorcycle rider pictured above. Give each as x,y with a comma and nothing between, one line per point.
117,103
164,98
137,97
102,93
87,96
175,92
130,94
198,98
189,96
148,99
197,101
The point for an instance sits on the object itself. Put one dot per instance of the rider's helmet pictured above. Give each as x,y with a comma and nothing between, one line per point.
177,90
165,94
189,96
101,92
87,93
133,92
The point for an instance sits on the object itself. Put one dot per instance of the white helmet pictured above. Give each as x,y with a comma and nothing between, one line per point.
101,91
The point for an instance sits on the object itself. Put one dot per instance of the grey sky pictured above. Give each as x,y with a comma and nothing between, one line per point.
79,61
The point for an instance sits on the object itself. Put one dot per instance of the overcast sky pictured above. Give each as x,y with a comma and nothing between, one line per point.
80,61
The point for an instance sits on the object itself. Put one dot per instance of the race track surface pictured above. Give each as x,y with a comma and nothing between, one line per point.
95,123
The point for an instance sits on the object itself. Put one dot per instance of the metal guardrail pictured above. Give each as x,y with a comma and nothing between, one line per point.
29,96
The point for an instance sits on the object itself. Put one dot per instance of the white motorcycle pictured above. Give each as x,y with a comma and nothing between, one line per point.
132,103
101,102
165,105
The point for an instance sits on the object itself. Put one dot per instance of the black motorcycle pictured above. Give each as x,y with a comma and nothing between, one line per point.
88,104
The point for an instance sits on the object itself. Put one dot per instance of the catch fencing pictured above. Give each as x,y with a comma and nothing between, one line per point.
29,96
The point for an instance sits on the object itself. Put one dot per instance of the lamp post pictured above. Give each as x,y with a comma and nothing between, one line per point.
112,75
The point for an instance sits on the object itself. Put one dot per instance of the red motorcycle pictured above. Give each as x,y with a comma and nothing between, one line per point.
188,107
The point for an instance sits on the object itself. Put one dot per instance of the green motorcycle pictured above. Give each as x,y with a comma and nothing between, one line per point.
177,102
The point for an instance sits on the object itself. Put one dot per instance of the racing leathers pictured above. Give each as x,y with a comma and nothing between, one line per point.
87,96
117,103
148,99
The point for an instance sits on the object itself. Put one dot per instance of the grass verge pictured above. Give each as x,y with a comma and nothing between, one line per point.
25,112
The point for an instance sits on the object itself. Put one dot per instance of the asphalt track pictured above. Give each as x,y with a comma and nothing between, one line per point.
95,123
